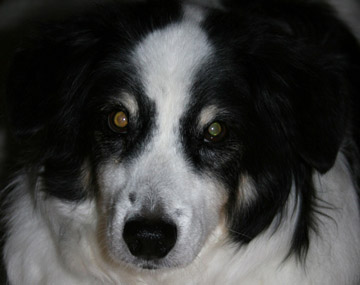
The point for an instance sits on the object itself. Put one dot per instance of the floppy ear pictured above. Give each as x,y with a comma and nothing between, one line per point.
307,69
326,87
320,114
44,77
307,99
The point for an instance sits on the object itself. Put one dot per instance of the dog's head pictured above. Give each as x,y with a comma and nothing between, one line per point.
174,119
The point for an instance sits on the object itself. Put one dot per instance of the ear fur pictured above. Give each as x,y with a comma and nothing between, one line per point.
312,82
310,99
44,77
321,122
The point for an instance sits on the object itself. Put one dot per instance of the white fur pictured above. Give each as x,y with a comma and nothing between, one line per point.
32,248
168,60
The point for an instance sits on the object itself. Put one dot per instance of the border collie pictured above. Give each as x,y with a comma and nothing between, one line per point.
165,143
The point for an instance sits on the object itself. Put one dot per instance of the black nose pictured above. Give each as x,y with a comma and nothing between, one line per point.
149,239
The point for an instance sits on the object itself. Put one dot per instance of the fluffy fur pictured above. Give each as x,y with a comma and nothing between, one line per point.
272,200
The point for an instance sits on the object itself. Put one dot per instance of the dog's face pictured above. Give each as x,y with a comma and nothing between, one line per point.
159,208
174,120
160,205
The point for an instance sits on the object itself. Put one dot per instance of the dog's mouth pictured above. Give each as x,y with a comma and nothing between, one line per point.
149,266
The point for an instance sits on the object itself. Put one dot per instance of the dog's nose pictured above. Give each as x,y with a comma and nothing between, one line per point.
149,239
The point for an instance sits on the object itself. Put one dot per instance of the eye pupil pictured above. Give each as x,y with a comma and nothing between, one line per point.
215,129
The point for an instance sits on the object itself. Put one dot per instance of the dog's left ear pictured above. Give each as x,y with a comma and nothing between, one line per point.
308,99
320,120
323,102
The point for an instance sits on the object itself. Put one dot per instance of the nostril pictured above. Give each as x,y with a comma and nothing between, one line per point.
149,239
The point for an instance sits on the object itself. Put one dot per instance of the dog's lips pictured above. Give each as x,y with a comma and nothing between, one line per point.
149,267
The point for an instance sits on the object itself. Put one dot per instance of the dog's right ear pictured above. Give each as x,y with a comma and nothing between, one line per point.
44,76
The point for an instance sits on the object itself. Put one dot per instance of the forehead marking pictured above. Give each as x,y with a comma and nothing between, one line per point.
167,60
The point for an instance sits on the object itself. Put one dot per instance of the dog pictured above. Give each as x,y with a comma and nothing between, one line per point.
166,143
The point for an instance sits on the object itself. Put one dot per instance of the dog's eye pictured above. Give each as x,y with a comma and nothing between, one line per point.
118,122
215,132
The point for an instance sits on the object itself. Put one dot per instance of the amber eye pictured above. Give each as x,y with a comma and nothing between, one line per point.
118,121
215,132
